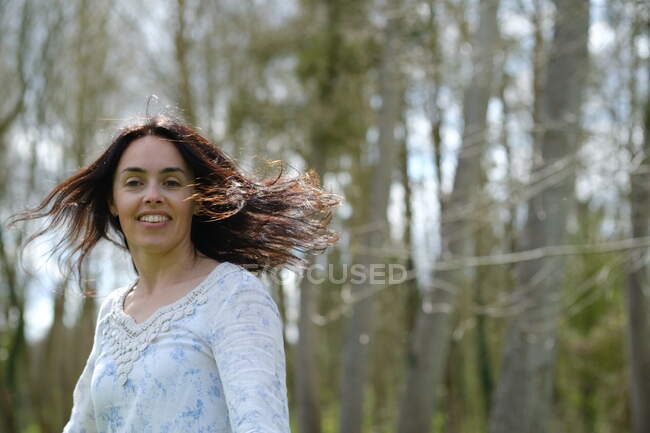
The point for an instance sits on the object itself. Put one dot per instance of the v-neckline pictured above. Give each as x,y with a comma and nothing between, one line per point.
135,326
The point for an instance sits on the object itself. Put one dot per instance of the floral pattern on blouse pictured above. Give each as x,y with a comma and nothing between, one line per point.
211,362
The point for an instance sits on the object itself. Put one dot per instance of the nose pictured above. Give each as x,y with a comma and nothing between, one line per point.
152,194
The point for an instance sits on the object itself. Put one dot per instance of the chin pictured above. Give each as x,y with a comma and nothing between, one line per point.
154,246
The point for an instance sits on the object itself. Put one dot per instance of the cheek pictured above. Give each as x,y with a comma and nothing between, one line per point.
123,208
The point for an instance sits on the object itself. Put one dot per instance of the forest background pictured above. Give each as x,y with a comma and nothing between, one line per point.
498,150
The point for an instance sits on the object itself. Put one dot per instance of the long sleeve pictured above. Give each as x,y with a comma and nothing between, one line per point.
82,418
248,348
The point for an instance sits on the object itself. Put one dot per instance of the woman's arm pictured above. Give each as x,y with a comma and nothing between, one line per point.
248,347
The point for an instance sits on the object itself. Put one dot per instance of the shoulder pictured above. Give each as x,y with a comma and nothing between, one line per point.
108,302
237,287
228,279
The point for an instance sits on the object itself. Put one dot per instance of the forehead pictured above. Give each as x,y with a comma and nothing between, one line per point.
151,153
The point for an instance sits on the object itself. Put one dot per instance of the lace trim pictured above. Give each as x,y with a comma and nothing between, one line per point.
127,339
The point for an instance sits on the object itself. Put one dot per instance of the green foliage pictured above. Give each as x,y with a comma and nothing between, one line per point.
591,372
32,428
333,68
324,54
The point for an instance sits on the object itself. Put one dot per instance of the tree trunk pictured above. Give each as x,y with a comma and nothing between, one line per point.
430,341
181,45
638,291
360,325
13,366
12,369
306,368
523,398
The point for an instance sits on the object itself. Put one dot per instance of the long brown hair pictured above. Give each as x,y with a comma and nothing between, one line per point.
240,220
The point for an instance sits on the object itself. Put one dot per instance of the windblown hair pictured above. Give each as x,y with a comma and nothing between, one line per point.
241,220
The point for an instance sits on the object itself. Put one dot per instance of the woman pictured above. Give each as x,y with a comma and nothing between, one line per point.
194,344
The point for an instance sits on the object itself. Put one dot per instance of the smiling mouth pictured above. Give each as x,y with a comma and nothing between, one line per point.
153,218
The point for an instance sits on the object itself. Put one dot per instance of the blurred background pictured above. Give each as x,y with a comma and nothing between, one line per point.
498,150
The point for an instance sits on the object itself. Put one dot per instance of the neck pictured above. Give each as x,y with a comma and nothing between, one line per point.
158,272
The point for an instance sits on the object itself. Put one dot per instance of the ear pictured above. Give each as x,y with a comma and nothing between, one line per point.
196,208
112,208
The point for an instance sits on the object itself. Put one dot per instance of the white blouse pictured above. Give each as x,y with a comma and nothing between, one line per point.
211,362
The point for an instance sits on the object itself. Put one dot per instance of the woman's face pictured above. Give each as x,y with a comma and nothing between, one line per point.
150,197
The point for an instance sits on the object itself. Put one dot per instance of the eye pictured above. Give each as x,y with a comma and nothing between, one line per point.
172,183
132,182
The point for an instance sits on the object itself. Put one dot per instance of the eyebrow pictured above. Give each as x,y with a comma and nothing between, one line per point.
163,171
